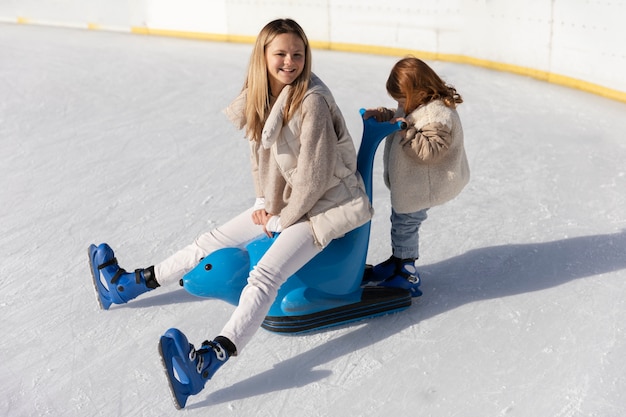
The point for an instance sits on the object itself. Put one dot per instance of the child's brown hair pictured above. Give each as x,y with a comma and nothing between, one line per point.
412,80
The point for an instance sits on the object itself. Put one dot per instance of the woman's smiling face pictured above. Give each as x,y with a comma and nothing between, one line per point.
285,58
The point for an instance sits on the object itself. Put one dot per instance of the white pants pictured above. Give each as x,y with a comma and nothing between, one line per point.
293,248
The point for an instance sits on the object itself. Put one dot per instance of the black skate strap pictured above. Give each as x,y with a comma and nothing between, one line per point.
409,277
403,274
117,275
110,262
119,272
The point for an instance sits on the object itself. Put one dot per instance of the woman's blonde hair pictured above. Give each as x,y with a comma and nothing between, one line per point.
412,80
257,84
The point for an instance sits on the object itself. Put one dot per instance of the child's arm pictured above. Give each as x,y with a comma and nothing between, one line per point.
428,144
381,114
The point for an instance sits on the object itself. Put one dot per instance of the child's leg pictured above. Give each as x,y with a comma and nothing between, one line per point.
399,270
237,232
405,233
404,246
293,248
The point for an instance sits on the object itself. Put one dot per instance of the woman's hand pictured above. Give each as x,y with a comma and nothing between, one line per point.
272,225
260,217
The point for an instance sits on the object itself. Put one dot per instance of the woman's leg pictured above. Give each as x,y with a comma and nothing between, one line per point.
237,232
293,248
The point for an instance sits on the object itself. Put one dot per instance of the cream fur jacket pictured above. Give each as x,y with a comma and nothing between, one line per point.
427,167
306,169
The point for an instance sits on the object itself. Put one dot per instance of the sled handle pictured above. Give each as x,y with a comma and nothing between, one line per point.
373,133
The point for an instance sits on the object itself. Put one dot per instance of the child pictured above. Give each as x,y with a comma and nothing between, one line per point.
307,190
424,165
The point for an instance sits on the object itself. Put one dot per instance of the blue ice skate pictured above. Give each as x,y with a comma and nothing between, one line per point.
405,276
375,274
394,273
113,284
325,292
188,369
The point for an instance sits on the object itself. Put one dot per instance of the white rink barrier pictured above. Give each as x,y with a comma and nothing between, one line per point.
575,43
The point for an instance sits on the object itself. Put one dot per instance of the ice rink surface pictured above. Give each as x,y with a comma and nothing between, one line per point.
119,138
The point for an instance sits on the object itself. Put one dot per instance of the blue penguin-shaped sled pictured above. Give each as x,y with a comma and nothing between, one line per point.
326,291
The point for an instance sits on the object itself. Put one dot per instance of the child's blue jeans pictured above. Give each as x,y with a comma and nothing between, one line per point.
405,233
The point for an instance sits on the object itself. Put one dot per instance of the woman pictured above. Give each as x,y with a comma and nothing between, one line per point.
307,190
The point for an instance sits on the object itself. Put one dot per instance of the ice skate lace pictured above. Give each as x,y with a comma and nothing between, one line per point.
194,354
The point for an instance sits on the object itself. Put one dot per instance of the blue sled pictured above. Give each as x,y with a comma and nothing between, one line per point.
326,291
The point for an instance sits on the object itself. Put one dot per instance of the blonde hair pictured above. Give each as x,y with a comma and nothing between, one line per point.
414,81
257,83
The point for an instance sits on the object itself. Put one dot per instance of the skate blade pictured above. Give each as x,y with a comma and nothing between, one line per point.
95,278
166,347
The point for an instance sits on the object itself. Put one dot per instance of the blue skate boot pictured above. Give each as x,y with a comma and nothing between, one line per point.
405,276
113,284
189,369
376,274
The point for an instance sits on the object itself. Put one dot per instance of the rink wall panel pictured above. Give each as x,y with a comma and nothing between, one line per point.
577,43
